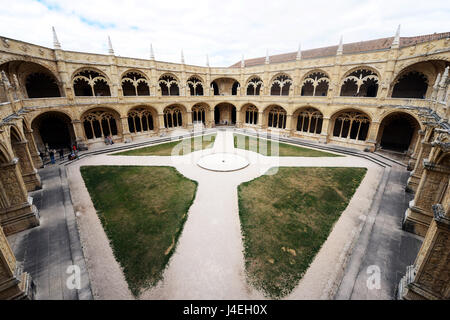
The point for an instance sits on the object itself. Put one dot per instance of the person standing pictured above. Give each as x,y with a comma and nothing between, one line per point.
52,156
61,154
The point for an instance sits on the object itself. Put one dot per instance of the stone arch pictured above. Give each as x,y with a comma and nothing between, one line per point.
195,85
135,83
174,116
351,124
276,117
200,113
398,131
417,79
5,154
254,85
250,114
225,86
88,81
53,130
141,119
281,84
308,120
101,122
169,85
315,83
362,81
32,79
225,113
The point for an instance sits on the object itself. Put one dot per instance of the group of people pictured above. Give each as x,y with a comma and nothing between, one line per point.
108,140
52,154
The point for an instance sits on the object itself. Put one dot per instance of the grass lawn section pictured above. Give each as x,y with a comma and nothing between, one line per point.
264,147
165,149
143,211
285,219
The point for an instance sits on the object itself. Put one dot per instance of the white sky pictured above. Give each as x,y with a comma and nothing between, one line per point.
224,29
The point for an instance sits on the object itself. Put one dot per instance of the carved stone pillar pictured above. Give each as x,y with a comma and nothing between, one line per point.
238,119
211,118
325,128
260,120
34,152
79,134
416,174
429,277
29,173
17,213
373,133
125,129
412,162
289,123
419,214
189,120
14,283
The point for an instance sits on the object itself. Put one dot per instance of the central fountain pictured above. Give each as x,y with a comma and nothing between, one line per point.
223,162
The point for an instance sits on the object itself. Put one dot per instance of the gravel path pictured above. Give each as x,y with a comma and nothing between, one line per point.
208,262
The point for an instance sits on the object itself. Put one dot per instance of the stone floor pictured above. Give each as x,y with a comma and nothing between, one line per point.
48,250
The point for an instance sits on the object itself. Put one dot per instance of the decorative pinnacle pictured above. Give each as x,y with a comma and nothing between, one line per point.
56,43
267,57
207,61
341,47
396,42
436,83
242,62
182,56
152,54
111,50
299,52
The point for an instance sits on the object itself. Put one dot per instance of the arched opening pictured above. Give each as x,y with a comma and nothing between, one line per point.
31,79
41,85
225,114
315,84
281,85
251,115
90,83
417,80
169,86
397,131
173,117
140,119
225,86
412,84
199,114
277,117
53,130
360,83
195,86
254,86
100,123
135,84
353,125
309,120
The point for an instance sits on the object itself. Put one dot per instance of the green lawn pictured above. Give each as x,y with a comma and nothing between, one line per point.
143,211
285,219
264,147
165,149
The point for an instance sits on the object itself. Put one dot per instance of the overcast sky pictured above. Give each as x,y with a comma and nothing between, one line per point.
223,29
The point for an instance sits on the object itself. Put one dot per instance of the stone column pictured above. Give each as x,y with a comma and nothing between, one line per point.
17,213
211,118
29,173
125,130
289,123
238,119
372,136
190,125
429,277
79,135
260,120
412,162
162,128
14,283
34,152
324,133
419,214
416,174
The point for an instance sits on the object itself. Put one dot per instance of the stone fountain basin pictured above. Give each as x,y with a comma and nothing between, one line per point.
223,162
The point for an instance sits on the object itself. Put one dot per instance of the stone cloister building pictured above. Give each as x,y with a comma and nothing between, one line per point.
386,94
